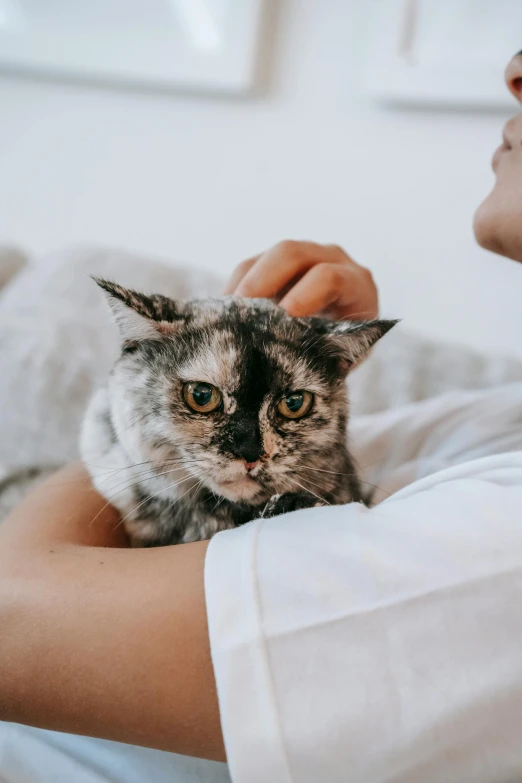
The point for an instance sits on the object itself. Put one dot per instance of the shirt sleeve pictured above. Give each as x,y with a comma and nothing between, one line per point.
375,645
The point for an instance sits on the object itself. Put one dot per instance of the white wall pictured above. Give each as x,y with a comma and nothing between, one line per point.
212,181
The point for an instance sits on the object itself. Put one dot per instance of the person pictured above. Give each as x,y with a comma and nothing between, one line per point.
331,644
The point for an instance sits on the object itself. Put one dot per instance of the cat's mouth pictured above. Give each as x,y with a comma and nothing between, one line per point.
242,488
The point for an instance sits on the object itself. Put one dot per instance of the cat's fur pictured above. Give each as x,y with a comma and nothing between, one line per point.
179,476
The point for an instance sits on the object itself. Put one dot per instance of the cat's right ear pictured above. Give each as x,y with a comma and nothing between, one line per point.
137,316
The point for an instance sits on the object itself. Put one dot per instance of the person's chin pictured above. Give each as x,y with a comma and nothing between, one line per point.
498,219
497,222
486,225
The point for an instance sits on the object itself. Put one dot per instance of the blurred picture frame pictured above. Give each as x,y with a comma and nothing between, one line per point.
443,53
204,46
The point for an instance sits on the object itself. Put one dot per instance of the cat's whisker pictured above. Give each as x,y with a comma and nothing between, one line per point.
155,494
67,483
369,464
314,483
219,502
129,483
105,469
348,475
323,500
375,486
321,470
151,470
198,487
144,476
75,459
93,520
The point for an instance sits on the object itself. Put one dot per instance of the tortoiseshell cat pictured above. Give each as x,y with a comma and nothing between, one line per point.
221,411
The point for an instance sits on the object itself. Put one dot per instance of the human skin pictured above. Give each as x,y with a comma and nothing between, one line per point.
102,640
306,278
99,639
498,219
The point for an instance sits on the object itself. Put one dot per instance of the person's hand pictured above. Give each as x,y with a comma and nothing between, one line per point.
308,279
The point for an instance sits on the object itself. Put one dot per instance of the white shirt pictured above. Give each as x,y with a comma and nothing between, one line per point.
383,645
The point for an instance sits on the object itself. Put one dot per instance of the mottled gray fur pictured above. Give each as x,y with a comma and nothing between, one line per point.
177,475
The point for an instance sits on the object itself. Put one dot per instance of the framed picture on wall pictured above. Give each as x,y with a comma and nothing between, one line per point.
443,52
194,45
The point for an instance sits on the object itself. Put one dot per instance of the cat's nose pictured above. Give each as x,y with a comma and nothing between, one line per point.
245,439
250,465
249,453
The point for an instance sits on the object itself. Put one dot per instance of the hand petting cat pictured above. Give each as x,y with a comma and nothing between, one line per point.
307,279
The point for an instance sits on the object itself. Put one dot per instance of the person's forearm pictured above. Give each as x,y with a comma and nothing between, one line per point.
64,509
108,642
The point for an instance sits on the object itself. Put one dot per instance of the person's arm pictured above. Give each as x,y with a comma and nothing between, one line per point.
98,639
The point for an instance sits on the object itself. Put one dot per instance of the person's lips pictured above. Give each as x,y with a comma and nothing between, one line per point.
506,146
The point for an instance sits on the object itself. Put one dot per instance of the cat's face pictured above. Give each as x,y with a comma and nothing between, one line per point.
249,398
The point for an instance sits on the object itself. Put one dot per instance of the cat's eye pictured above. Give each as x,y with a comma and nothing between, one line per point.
296,404
201,397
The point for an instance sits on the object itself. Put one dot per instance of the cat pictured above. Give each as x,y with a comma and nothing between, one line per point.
221,411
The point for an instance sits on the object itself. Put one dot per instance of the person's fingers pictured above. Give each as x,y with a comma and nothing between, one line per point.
279,266
238,274
317,289
343,290
359,298
308,278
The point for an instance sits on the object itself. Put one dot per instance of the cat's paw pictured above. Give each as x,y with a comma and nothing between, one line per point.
289,501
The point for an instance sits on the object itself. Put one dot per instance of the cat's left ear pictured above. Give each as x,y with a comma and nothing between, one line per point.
352,340
138,316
